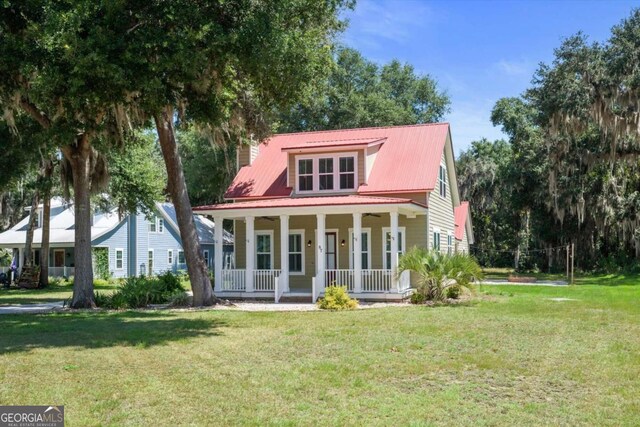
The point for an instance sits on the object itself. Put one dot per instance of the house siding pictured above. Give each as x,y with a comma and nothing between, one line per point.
117,238
441,212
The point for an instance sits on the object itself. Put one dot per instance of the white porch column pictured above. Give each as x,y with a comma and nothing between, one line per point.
284,252
394,250
320,250
218,253
357,252
250,252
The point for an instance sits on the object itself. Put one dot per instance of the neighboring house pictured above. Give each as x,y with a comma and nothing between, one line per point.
135,244
316,208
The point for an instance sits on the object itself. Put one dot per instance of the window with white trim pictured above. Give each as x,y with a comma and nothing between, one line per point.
386,245
436,239
442,179
365,248
305,175
150,262
449,243
160,225
170,257
119,259
296,252
347,173
153,224
324,172
38,219
264,250
181,258
205,254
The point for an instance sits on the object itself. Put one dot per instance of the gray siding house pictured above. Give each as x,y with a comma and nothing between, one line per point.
135,244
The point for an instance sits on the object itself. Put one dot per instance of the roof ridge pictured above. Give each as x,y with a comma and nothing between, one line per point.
338,140
360,128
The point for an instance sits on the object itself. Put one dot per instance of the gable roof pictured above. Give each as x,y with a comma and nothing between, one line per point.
461,215
408,159
204,226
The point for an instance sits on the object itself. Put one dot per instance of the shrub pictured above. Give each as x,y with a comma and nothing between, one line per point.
337,298
178,299
103,300
418,298
454,292
140,291
100,283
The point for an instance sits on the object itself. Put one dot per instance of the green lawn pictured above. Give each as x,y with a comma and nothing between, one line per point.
513,357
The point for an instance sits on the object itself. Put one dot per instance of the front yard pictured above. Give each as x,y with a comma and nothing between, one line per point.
517,356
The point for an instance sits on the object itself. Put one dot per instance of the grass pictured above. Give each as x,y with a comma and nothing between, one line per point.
503,273
515,356
52,293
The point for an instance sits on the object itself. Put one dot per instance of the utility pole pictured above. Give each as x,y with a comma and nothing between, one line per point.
573,253
568,276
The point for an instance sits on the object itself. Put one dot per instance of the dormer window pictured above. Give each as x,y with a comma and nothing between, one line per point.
326,172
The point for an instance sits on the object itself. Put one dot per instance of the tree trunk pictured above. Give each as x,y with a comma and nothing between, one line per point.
198,273
46,223
79,155
33,216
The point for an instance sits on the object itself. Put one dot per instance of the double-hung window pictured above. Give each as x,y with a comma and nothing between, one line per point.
365,248
119,259
449,243
264,250
326,172
181,259
205,254
170,257
442,180
296,252
436,239
153,224
305,175
386,241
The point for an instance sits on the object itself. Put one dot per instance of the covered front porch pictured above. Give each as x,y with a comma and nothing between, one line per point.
286,251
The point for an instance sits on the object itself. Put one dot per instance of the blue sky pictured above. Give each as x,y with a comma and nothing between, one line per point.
479,51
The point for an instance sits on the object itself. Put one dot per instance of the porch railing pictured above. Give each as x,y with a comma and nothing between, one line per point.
340,278
233,280
62,271
405,281
265,280
377,280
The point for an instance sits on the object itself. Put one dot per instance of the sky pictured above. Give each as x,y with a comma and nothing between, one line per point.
478,51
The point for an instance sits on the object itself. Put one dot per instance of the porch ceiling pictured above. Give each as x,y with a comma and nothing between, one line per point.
310,206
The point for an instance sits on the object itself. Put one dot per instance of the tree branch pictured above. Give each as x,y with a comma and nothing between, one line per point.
35,112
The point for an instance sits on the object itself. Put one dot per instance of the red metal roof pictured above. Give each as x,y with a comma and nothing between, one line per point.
358,142
460,214
408,160
307,201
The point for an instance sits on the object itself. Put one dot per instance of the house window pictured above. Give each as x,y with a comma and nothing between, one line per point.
442,179
160,225
296,252
365,245
181,259
38,219
170,257
264,250
436,239
325,174
449,243
305,175
205,254
153,227
119,259
150,263
386,241
347,173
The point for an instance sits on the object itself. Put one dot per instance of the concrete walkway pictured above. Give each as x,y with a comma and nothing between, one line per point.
31,308
537,283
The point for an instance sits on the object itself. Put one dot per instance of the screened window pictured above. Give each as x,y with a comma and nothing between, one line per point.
305,175
153,228
119,259
365,247
170,257
160,225
442,179
296,256
264,251
347,173
181,259
387,246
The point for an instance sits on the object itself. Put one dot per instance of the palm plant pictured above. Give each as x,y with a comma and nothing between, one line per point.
437,271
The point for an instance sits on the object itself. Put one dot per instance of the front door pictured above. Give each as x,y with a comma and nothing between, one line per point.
331,260
58,258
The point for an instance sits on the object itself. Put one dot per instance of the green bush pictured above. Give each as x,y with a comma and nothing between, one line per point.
337,298
100,283
140,291
418,298
454,292
178,299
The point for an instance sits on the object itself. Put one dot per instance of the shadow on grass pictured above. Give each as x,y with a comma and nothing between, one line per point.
98,330
51,293
609,280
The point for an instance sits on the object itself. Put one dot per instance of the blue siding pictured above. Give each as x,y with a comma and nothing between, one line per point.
161,243
115,239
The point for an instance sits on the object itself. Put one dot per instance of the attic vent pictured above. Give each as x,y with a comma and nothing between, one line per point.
246,154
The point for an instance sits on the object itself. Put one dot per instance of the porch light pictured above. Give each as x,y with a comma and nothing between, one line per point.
342,243
309,244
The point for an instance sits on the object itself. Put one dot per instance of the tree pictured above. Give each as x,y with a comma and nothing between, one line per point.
359,93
